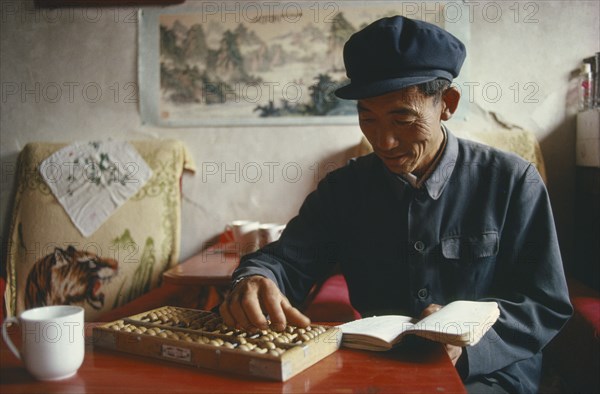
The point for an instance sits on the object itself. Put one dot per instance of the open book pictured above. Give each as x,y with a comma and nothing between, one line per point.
460,323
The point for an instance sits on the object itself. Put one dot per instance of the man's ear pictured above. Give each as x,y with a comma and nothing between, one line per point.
450,99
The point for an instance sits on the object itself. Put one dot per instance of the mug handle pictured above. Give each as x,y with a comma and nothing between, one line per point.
6,338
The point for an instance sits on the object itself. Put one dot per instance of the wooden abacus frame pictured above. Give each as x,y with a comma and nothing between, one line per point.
198,338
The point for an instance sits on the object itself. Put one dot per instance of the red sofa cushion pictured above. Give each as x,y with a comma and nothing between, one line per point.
332,302
586,302
589,310
576,349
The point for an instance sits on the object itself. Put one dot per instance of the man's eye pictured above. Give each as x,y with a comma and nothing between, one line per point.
402,122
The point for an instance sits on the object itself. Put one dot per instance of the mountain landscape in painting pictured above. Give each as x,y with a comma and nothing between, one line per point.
293,73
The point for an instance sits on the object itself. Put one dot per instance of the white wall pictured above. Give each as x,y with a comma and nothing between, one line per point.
534,52
82,52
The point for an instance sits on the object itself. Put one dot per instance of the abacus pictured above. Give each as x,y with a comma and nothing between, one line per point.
200,339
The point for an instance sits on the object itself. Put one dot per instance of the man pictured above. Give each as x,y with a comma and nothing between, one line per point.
425,220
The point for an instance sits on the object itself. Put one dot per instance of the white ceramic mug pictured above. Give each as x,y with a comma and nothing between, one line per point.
269,232
245,235
53,342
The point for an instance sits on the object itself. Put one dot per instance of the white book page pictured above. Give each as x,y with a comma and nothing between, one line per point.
460,318
385,327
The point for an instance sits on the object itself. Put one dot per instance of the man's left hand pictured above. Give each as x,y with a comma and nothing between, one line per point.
454,352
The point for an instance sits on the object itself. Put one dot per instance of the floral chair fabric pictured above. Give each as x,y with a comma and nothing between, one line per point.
50,262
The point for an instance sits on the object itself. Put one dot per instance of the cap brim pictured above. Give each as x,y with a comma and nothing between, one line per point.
358,90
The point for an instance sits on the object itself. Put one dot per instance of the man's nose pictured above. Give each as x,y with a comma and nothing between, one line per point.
386,140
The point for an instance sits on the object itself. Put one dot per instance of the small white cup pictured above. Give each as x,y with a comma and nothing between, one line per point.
245,235
53,342
269,232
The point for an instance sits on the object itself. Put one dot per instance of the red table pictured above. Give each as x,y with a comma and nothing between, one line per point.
211,267
424,370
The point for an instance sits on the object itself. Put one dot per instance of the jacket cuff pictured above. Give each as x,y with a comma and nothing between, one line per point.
250,271
479,358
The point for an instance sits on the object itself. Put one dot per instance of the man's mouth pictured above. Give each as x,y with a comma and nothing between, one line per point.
398,163
396,158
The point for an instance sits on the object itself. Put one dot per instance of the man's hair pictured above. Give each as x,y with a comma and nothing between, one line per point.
434,88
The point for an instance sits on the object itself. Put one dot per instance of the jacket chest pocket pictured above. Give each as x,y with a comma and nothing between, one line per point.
468,265
470,248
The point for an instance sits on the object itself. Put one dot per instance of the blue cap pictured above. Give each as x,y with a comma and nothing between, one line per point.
397,52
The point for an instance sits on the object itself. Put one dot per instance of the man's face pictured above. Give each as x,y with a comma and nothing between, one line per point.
404,129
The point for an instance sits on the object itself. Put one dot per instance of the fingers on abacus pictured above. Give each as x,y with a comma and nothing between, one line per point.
228,319
276,315
270,300
237,308
294,316
253,312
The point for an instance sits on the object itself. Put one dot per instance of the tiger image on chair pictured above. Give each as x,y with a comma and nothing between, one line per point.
69,277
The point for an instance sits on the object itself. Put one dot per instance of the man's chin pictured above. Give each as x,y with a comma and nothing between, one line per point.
399,168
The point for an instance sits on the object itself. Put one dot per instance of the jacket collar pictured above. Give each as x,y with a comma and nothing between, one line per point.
439,178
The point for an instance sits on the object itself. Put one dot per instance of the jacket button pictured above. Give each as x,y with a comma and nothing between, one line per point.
419,246
422,293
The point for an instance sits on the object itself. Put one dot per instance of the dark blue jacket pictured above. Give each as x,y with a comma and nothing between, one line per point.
480,228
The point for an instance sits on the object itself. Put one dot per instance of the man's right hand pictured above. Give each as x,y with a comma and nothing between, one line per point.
246,305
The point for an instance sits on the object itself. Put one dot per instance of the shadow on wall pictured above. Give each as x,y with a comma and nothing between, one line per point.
561,182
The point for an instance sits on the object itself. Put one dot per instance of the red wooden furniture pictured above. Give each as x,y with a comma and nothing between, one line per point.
424,370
